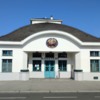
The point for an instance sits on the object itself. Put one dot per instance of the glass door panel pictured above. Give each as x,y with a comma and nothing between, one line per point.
49,69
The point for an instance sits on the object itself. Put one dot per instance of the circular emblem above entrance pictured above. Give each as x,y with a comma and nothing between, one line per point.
52,42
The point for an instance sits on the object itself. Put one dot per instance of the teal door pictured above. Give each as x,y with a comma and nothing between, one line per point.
49,69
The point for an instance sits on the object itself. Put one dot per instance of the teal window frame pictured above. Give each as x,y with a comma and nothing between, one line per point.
36,65
94,53
7,53
6,65
62,65
95,65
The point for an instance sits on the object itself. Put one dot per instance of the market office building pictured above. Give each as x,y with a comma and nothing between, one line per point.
48,49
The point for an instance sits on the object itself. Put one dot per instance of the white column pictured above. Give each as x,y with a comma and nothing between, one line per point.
30,65
77,61
24,75
25,60
78,71
56,66
68,62
43,56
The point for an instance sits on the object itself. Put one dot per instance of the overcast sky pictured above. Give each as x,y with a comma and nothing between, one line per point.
81,14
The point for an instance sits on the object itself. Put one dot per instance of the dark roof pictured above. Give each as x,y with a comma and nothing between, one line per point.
24,32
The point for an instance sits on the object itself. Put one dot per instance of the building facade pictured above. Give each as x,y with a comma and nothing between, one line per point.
48,49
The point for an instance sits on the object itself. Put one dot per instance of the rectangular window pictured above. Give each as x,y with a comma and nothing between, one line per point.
95,65
6,65
94,53
62,65
37,55
50,55
7,52
62,55
36,65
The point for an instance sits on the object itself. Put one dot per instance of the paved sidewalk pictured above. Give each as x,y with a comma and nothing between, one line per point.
50,85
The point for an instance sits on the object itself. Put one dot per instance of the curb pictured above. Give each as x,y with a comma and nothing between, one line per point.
49,91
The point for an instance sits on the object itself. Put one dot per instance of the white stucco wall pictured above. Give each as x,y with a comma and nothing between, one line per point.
78,55
85,60
16,57
39,44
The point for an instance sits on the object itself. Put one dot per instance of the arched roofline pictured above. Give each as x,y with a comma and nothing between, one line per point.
19,36
52,32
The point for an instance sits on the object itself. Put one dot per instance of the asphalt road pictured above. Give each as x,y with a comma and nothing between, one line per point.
49,96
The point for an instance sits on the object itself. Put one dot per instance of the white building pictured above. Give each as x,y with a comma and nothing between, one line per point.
48,49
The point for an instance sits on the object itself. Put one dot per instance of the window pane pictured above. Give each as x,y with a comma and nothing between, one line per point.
50,55
62,65
36,65
91,53
60,68
7,53
94,65
94,53
7,65
64,68
62,55
4,65
46,68
4,53
10,53
52,69
37,54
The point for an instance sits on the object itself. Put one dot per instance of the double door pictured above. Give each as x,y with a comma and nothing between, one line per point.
49,69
